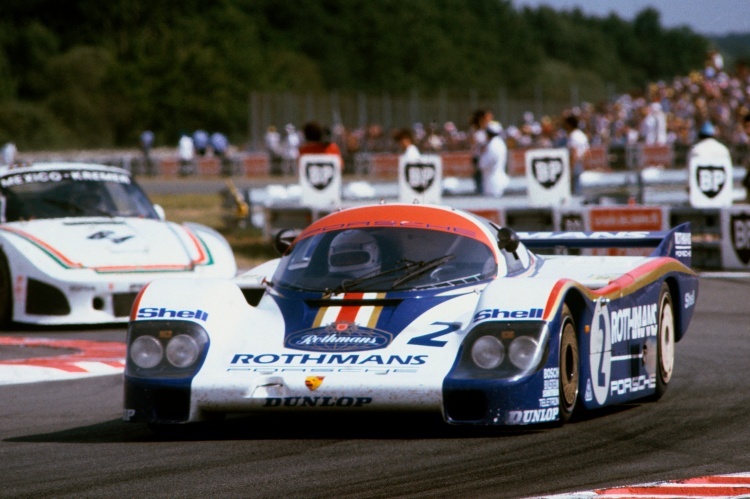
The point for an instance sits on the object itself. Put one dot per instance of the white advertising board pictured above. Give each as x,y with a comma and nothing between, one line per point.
420,179
710,181
548,176
320,180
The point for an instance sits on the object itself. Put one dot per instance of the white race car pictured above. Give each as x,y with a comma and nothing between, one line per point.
410,307
79,241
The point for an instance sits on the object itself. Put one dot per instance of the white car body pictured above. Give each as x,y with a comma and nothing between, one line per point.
408,307
79,268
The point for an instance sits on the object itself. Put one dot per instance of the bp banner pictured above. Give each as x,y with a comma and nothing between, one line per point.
710,181
735,238
548,176
320,180
420,179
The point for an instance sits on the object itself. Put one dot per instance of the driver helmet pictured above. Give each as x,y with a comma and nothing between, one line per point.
354,252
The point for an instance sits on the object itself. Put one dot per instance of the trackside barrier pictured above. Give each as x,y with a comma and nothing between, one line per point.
597,159
255,164
384,166
457,164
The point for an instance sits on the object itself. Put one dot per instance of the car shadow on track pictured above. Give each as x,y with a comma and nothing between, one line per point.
372,426
277,427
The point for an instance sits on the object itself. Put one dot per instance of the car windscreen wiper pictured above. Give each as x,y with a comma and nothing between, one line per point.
349,284
422,267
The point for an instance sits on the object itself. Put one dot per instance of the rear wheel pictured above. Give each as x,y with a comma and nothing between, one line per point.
569,366
665,342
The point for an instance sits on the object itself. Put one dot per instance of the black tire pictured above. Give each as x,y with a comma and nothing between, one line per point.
569,366
6,293
665,342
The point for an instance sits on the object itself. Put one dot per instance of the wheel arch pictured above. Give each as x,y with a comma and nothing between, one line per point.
681,320
576,303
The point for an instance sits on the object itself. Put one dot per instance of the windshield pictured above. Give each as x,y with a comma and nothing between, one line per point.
72,193
384,259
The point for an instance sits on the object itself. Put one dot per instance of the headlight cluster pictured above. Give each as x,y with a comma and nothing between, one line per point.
505,348
165,347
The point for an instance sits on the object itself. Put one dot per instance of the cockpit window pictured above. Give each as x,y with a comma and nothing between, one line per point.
72,193
384,259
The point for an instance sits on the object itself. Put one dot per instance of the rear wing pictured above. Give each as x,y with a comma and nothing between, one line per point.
675,243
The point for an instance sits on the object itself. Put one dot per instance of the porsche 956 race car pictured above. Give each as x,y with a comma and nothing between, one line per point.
79,241
403,307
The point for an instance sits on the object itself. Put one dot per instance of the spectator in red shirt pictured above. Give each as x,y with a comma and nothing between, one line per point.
315,141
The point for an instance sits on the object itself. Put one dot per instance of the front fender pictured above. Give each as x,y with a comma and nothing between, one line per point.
518,299
219,260
205,300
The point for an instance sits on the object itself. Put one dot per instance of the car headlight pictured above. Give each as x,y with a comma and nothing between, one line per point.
146,352
522,352
165,348
503,349
182,351
488,352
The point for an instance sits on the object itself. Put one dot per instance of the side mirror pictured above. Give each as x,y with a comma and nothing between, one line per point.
283,240
508,240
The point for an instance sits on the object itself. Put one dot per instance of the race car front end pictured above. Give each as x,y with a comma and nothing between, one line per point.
261,360
163,358
506,374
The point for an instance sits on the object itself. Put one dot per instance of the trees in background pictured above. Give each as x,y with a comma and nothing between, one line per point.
87,73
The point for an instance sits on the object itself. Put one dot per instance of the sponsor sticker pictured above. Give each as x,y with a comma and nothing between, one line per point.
530,416
42,177
339,336
317,401
162,313
325,359
689,299
496,313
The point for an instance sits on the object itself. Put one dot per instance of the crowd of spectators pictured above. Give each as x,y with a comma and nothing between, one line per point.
667,112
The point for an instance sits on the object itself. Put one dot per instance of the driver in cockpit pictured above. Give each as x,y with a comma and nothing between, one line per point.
89,200
354,253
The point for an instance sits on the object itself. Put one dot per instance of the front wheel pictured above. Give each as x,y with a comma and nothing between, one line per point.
569,366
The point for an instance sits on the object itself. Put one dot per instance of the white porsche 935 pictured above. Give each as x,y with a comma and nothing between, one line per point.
79,241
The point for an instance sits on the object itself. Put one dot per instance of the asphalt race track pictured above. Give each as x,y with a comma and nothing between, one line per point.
66,438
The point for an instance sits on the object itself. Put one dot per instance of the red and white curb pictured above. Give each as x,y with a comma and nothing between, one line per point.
717,486
88,358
